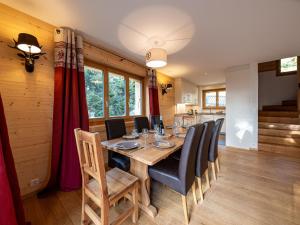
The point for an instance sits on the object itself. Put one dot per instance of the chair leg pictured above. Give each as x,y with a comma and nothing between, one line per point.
213,170
194,192
84,218
207,179
218,165
135,194
185,210
200,188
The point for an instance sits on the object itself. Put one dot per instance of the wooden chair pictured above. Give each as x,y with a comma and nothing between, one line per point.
100,190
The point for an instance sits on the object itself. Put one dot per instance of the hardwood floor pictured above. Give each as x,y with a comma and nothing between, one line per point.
252,188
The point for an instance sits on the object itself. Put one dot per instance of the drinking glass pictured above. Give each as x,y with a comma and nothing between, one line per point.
156,128
145,135
135,132
175,129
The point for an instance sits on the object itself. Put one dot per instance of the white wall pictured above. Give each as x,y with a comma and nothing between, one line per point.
272,89
242,106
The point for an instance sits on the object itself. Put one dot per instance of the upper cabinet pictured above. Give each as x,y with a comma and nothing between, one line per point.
185,92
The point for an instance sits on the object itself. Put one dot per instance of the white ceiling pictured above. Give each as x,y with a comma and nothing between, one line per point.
203,37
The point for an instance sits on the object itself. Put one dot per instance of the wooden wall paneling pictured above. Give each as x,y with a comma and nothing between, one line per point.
28,98
167,101
268,66
109,59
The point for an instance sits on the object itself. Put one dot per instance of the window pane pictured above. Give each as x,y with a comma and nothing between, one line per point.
211,99
288,64
135,97
117,94
222,98
94,87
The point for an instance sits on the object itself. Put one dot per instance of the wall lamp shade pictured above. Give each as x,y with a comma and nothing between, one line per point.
156,58
30,50
28,43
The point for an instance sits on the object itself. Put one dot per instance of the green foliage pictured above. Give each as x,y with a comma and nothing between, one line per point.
94,82
94,92
117,95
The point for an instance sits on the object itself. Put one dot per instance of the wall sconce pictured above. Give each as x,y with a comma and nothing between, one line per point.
165,88
30,48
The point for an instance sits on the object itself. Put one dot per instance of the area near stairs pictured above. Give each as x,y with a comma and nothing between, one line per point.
279,129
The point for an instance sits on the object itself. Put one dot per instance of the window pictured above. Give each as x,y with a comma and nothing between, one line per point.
117,94
135,97
288,65
112,93
214,99
94,86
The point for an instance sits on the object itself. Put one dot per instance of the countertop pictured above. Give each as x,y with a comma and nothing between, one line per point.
199,114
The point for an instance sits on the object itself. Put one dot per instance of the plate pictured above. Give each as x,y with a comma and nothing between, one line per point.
163,144
127,145
130,137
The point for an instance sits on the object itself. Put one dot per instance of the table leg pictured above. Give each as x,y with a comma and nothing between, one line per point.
140,170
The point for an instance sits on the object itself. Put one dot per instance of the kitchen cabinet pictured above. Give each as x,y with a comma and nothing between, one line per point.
206,117
185,92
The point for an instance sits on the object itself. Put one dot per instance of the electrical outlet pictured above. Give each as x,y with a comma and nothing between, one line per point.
35,182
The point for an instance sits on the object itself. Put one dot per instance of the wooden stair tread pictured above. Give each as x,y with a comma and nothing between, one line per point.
279,108
290,114
290,141
283,120
278,126
279,133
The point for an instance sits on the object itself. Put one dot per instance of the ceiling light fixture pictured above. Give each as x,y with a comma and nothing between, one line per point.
156,58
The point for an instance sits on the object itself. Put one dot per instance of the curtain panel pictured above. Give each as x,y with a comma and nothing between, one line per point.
69,110
11,210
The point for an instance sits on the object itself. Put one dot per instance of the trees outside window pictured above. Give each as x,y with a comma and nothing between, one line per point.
112,93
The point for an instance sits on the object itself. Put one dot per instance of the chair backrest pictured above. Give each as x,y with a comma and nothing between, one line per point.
187,161
91,161
213,148
202,154
115,128
154,120
140,123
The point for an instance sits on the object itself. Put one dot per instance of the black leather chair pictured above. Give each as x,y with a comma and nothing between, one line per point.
115,128
213,148
202,155
141,123
154,120
179,175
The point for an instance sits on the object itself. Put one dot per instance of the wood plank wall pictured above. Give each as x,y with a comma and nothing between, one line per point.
28,98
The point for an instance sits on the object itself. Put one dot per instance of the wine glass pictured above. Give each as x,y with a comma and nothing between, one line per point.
145,134
175,129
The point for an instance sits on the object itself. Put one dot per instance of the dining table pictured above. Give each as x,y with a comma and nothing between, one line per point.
141,158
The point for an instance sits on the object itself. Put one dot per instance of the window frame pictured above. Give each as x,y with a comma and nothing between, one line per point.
106,70
279,73
204,106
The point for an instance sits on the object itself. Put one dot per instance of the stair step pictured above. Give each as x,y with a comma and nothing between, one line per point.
289,103
285,120
279,133
279,108
278,126
284,150
295,142
290,114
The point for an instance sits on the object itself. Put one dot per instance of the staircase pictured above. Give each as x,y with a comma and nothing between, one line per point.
279,129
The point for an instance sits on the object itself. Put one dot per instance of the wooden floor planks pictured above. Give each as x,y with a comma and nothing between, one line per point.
258,188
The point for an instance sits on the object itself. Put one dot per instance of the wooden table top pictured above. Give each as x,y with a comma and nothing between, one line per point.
147,154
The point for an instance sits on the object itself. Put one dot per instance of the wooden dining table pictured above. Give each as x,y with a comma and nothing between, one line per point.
140,159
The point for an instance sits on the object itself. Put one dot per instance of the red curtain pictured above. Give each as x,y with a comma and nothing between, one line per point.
153,93
11,209
69,110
